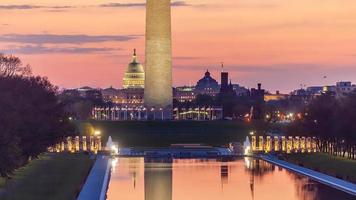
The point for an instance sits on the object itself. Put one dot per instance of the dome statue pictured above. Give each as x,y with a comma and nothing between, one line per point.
134,75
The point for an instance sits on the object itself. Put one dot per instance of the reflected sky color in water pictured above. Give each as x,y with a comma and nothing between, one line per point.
193,179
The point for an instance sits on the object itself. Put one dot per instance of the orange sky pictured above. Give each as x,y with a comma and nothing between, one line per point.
281,43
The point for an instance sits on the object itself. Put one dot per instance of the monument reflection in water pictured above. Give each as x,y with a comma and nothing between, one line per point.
193,179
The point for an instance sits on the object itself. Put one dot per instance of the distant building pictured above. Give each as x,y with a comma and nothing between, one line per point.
133,83
330,89
207,85
258,94
300,96
257,97
340,89
224,82
84,92
240,91
184,94
133,96
344,87
225,87
315,90
112,95
275,97
134,76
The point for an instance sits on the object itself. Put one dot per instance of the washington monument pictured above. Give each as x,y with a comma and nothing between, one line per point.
158,77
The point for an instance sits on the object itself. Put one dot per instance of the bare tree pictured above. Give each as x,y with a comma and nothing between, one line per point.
11,65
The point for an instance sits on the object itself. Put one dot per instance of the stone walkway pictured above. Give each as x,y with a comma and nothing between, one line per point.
96,184
319,177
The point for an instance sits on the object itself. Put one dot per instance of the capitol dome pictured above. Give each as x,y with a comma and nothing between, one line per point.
134,75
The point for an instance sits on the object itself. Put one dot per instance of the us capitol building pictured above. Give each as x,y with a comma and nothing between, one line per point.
134,76
128,103
133,86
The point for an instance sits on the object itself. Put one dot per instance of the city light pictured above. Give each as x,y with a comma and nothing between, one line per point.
97,132
247,150
113,164
114,150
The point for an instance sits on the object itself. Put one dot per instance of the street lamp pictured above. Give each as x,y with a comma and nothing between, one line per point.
161,113
154,113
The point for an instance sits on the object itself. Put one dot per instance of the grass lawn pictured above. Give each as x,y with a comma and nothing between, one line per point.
164,133
52,176
332,165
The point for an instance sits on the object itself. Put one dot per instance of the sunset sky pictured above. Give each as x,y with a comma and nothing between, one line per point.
280,43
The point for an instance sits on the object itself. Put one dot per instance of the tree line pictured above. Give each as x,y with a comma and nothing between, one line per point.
332,120
31,116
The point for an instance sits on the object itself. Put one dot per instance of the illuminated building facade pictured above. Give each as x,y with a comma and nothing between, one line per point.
344,87
198,113
132,97
134,76
112,95
133,86
275,97
184,94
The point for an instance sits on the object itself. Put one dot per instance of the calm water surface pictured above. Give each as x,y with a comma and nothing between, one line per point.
197,179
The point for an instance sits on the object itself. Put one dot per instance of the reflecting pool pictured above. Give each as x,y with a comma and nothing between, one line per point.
211,179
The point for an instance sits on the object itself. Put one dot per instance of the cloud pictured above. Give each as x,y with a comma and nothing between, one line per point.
107,5
37,49
63,39
18,7
28,7
125,5
128,5
254,68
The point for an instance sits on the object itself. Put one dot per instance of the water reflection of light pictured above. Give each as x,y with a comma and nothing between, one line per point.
248,162
195,179
247,150
114,150
113,164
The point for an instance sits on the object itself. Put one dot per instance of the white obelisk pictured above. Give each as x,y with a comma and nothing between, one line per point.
158,94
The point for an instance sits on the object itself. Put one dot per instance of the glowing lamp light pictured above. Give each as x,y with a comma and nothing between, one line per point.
97,132
114,150
247,150
114,163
